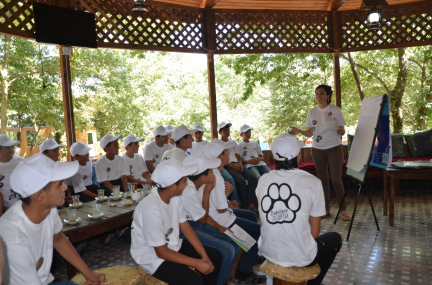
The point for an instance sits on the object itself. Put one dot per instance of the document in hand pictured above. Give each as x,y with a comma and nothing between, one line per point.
242,238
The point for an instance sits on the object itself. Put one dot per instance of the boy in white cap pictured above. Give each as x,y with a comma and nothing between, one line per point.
157,221
291,203
198,144
182,137
31,228
235,168
81,182
251,153
8,162
109,167
51,149
154,150
220,212
170,130
196,199
133,163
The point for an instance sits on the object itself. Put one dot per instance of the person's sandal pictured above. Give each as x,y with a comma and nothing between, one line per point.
326,215
253,279
345,216
108,239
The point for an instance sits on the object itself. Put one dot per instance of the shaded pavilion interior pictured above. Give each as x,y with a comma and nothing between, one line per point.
256,26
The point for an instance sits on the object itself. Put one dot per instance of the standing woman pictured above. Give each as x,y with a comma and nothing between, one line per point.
326,123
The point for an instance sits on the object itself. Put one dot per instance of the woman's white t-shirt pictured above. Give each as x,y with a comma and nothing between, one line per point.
26,244
250,150
108,170
325,123
82,178
192,202
155,223
286,199
134,167
6,168
218,200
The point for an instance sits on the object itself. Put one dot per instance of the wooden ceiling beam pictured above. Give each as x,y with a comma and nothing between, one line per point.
210,3
335,4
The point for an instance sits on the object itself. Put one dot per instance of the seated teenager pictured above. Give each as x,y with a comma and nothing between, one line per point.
170,142
157,221
196,201
291,203
251,153
220,212
154,150
182,137
133,163
109,166
31,228
8,162
81,182
246,191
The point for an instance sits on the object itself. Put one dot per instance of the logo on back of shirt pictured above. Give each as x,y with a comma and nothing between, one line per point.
318,138
280,205
314,122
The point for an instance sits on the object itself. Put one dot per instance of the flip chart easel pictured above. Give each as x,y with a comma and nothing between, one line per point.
371,146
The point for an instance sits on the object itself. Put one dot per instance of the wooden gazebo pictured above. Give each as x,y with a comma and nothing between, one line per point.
234,27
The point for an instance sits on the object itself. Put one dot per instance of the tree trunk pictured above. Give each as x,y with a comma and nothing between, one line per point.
423,111
5,85
398,90
356,76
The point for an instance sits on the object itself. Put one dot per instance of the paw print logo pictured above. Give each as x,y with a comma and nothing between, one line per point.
318,138
244,153
280,204
314,122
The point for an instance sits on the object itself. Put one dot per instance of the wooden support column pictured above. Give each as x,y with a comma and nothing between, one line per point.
336,62
209,44
67,100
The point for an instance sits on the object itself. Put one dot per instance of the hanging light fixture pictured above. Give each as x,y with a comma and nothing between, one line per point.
374,19
139,7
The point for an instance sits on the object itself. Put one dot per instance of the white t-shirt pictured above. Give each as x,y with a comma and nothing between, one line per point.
108,170
134,167
82,178
192,202
218,200
286,199
155,224
198,147
176,153
250,150
325,123
6,169
154,153
26,243
232,152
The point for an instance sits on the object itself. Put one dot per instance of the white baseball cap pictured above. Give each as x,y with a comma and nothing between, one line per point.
6,141
286,147
160,131
198,127
35,172
245,128
203,162
214,148
170,171
222,125
180,132
79,148
131,138
49,144
107,139
169,128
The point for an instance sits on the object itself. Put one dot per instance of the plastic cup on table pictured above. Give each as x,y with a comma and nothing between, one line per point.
75,200
71,215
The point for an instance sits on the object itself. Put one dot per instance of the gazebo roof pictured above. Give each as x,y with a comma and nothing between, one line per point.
314,5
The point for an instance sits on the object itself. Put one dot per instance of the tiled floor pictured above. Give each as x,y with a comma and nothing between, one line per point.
395,255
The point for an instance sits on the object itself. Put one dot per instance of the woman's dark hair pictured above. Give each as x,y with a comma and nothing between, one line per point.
183,137
328,90
195,177
286,164
163,188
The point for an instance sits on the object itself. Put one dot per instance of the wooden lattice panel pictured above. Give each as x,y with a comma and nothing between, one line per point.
401,26
117,25
271,32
